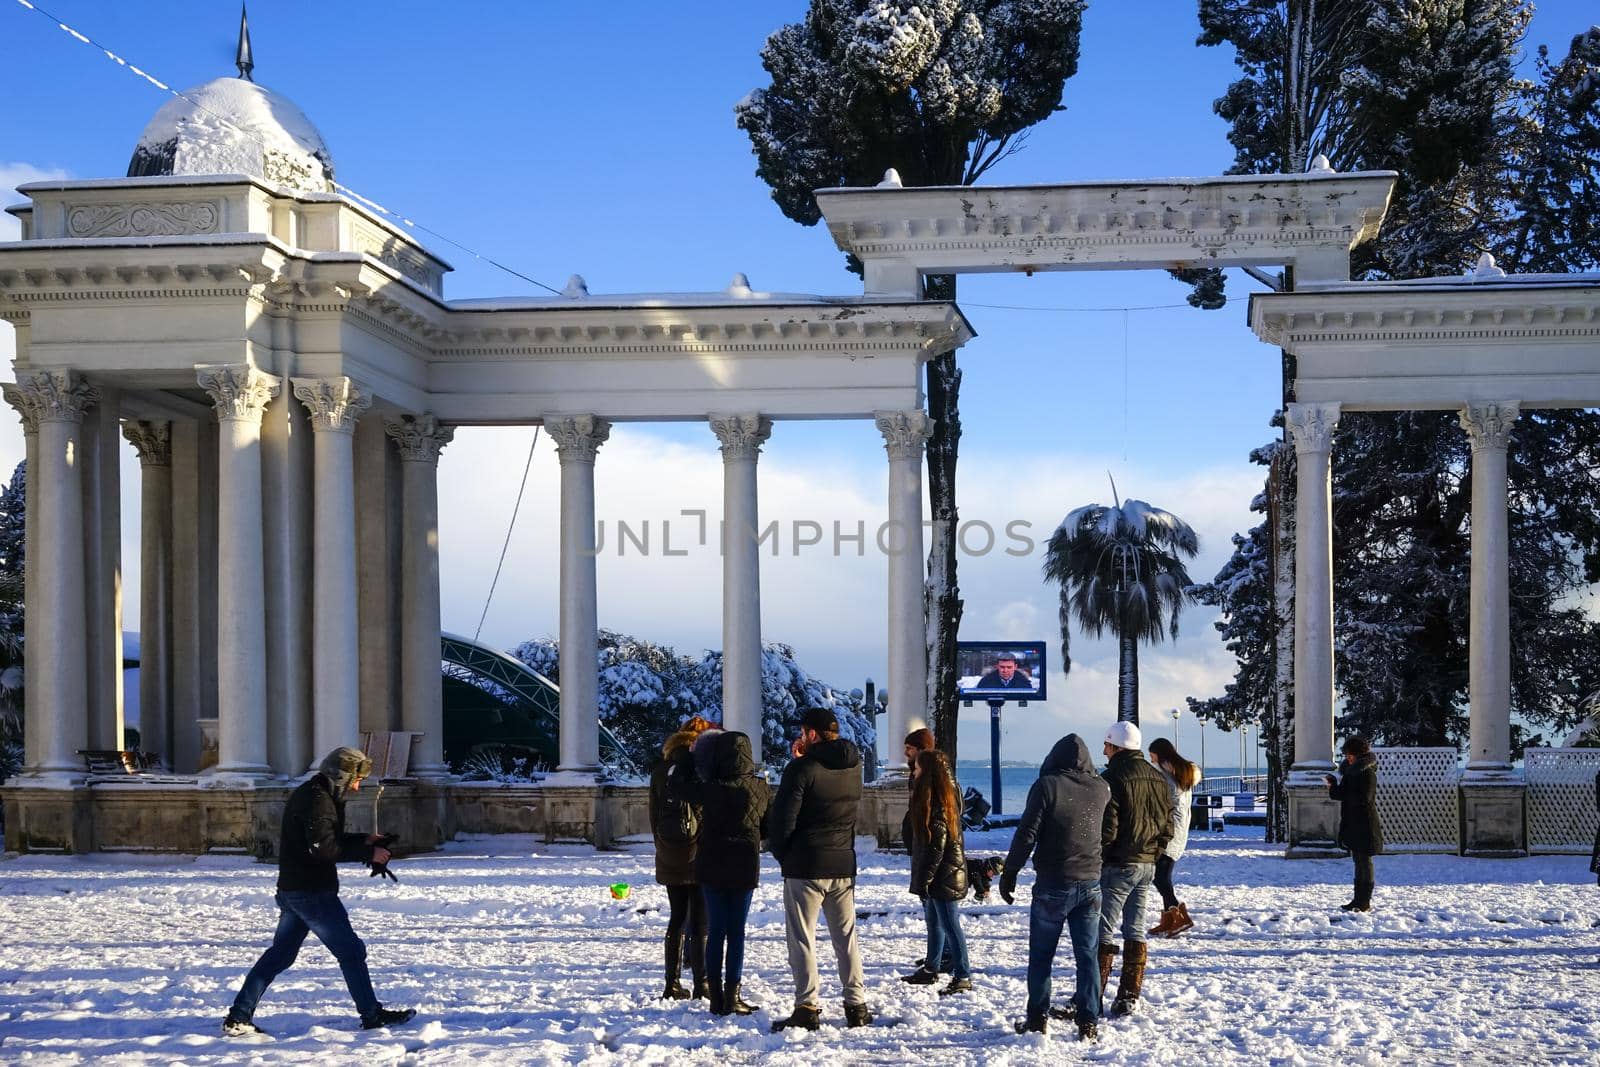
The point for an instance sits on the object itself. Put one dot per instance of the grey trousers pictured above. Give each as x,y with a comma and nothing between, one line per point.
836,899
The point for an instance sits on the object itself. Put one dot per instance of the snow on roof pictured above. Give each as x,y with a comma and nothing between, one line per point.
1463,282
1122,183
577,294
229,125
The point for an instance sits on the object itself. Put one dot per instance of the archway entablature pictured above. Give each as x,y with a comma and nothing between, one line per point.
1440,343
1310,221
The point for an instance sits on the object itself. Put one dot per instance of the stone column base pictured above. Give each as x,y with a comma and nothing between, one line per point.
1313,818
884,804
1494,816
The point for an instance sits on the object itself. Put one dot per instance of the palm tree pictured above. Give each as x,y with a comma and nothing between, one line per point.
1121,570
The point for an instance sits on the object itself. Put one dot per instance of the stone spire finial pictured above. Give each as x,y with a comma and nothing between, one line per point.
245,59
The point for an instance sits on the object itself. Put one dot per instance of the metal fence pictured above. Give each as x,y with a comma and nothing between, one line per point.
1561,801
1419,799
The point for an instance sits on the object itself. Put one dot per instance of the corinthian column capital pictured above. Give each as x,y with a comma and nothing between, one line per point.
905,433
1488,425
1311,426
578,437
741,435
420,438
237,390
335,403
56,396
16,397
152,440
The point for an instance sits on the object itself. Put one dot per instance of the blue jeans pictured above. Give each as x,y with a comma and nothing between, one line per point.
726,912
1075,905
1125,893
944,929
320,912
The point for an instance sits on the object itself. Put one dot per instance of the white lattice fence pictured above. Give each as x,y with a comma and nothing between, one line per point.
1419,799
1561,811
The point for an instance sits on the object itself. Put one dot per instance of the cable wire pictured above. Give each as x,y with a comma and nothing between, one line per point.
512,525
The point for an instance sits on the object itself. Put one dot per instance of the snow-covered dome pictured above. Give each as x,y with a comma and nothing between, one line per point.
234,126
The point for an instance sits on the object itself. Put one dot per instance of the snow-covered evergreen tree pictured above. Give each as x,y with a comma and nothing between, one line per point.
13,549
939,90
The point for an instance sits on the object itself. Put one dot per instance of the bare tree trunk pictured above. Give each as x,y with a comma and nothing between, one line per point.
1128,680
1280,497
942,594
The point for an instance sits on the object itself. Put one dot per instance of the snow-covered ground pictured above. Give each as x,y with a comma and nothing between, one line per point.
515,953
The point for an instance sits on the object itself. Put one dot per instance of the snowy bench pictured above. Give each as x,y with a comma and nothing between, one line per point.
118,765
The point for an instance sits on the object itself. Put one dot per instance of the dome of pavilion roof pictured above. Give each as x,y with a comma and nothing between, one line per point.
234,126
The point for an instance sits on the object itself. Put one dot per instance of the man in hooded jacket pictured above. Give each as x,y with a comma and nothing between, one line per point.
1137,830
313,841
1060,827
812,834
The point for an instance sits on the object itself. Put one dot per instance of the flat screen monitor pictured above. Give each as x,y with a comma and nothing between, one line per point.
1000,670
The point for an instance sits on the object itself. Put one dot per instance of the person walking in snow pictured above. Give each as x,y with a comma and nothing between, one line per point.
675,825
1060,827
1134,833
312,843
1356,790
813,838
1181,776
733,798
939,869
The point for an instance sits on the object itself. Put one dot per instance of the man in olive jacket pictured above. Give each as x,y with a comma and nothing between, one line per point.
312,843
812,834
1136,830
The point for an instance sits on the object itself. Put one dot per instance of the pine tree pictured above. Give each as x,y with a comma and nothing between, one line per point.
941,91
13,550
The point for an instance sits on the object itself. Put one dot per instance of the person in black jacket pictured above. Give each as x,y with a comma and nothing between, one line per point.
1594,857
939,868
733,799
813,838
675,825
313,841
1356,790
1135,831
1061,825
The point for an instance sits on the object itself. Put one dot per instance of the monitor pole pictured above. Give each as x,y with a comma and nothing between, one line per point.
994,752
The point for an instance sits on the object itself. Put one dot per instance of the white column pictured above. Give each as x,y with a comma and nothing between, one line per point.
419,439
288,488
153,442
335,404
102,567
905,434
578,438
741,437
33,726
58,667
240,393
1311,426
1488,427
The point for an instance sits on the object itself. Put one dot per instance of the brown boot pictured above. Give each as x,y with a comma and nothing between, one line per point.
1108,953
1132,981
1182,923
1169,919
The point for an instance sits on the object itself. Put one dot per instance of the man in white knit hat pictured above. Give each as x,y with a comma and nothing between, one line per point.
1138,825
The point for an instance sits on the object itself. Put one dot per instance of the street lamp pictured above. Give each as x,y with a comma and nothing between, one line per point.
1175,714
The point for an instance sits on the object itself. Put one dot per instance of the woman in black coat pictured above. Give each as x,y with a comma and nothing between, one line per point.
733,799
675,825
1594,858
939,868
1356,790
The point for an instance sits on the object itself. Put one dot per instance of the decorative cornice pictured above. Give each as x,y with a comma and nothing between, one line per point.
238,390
156,219
58,395
1489,425
578,437
741,435
1426,316
335,403
152,440
17,399
905,433
420,438
1311,426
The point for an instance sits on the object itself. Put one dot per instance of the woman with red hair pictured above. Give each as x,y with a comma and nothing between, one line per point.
938,868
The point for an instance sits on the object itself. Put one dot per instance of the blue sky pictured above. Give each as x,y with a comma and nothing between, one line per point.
599,139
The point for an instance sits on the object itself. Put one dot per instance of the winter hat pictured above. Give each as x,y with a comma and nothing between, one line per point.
1124,735
822,720
343,765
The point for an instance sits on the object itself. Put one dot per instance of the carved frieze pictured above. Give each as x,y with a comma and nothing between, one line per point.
393,252
144,220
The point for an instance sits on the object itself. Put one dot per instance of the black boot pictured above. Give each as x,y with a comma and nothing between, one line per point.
697,965
804,1018
387,1017
735,1004
857,1015
237,1026
674,953
1033,1024
714,991
1088,1030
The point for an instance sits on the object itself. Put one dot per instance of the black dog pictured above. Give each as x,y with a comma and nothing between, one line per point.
981,874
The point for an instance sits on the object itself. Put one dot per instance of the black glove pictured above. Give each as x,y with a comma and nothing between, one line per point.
1008,887
381,870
